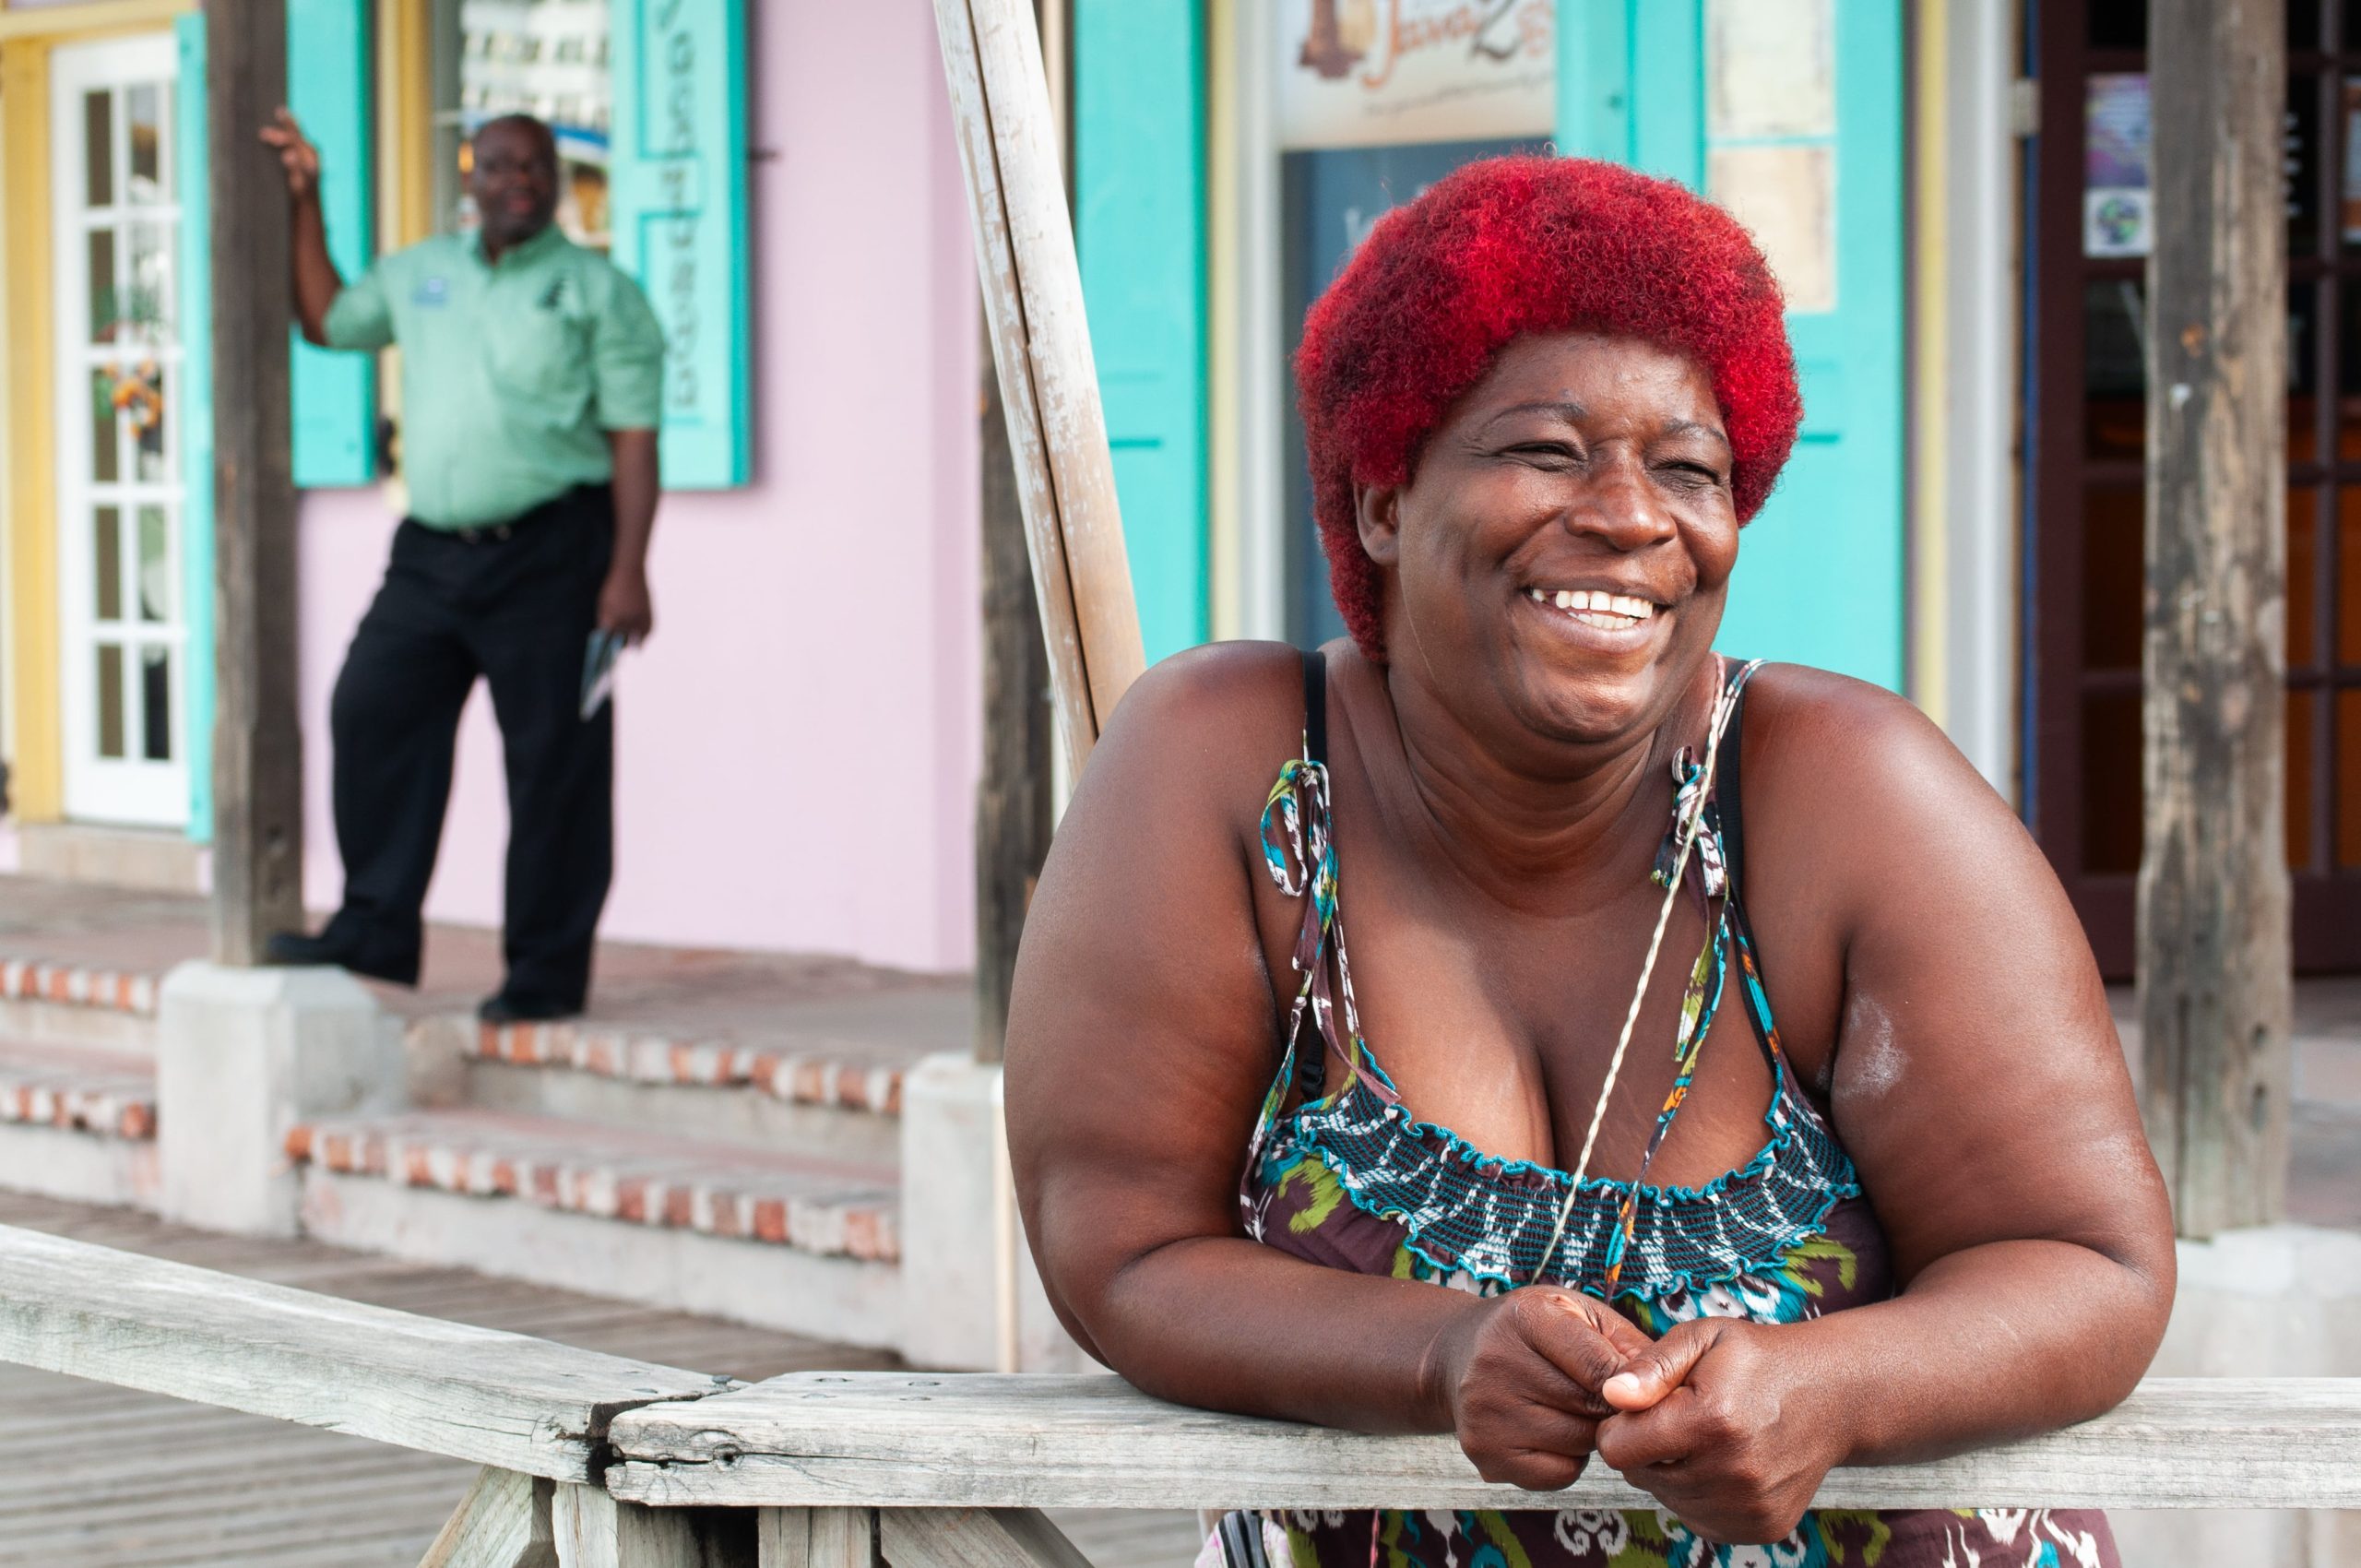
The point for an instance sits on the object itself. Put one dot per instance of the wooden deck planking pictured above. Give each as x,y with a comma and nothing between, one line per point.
100,1476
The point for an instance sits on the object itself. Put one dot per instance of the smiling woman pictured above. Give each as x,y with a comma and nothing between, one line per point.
1898,1203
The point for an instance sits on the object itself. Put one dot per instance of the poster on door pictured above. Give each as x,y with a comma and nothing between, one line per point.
1391,73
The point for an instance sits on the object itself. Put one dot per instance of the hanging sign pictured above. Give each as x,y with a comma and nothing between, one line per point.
1381,73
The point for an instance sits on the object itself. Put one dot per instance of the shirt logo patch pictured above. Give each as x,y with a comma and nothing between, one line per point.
433,291
553,297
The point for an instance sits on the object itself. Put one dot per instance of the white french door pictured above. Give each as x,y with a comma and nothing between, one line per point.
122,627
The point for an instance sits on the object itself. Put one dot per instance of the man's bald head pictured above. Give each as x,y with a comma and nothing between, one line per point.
531,126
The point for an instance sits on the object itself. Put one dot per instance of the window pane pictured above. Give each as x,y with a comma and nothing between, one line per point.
2303,372
105,457
2111,824
2301,165
2303,743
156,704
2115,368
2303,572
1770,68
110,700
2119,24
2348,781
544,57
147,306
155,566
2116,211
98,148
143,113
2303,24
2114,571
148,420
2349,217
106,533
2348,576
1786,198
102,291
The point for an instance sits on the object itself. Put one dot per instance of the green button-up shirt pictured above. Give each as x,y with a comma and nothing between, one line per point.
513,372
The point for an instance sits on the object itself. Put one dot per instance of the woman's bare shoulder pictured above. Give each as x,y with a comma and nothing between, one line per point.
1205,718
1830,743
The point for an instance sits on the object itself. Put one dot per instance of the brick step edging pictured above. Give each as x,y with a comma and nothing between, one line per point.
77,985
865,1226
803,1078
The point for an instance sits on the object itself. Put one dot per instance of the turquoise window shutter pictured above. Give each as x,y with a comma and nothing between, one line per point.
1140,183
1631,88
335,396
676,196
195,418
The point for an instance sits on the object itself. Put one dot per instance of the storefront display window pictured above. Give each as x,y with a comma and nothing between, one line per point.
548,58
1375,103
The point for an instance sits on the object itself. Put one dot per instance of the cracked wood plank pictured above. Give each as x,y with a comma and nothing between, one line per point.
948,1440
506,1400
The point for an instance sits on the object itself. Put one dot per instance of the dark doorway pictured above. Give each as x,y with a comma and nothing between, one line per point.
2087,441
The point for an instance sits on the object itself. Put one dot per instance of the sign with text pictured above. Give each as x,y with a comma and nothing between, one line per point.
1391,73
679,180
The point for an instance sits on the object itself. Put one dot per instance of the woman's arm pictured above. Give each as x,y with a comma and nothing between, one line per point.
1143,1034
1980,1087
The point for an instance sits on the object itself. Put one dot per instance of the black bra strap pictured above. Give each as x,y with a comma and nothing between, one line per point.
1315,706
1726,793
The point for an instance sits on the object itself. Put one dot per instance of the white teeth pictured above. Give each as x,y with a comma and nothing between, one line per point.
1597,606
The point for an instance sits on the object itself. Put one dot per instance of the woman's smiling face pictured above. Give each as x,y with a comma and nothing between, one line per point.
1558,561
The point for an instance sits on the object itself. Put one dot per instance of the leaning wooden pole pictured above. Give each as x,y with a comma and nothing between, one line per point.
1032,284
2213,964
257,748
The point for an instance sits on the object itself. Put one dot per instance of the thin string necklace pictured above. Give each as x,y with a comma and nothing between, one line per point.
1686,830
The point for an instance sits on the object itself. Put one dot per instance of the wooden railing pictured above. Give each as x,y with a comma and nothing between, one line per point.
595,1461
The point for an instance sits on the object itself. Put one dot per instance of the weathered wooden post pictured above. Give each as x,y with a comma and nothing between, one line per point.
960,1230
243,1051
257,747
1013,802
1065,473
2213,962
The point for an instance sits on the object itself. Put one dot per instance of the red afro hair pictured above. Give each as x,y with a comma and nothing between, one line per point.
1498,250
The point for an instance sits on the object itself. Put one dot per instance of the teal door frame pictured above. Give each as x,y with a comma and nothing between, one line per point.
1139,109
1822,575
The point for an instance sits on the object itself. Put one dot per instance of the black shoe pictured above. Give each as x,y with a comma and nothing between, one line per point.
293,949
518,1008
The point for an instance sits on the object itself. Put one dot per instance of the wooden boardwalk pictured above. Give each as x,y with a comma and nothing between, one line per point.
98,1476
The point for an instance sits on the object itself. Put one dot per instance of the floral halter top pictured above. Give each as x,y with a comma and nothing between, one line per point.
1354,1178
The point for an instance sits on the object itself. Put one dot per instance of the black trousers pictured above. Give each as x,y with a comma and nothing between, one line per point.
515,604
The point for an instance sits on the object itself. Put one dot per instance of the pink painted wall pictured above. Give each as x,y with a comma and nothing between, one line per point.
798,744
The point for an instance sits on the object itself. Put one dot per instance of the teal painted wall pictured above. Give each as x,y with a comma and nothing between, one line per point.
1821,576
1140,227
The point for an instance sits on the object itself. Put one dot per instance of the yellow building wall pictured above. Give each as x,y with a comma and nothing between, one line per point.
37,775
37,772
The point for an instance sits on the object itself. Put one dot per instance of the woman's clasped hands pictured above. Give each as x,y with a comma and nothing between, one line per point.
1712,1420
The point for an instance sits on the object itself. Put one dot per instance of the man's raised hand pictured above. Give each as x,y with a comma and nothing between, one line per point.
297,156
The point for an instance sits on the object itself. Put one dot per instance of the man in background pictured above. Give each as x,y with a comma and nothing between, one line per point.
531,377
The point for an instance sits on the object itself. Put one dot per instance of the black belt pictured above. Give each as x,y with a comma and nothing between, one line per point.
501,533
